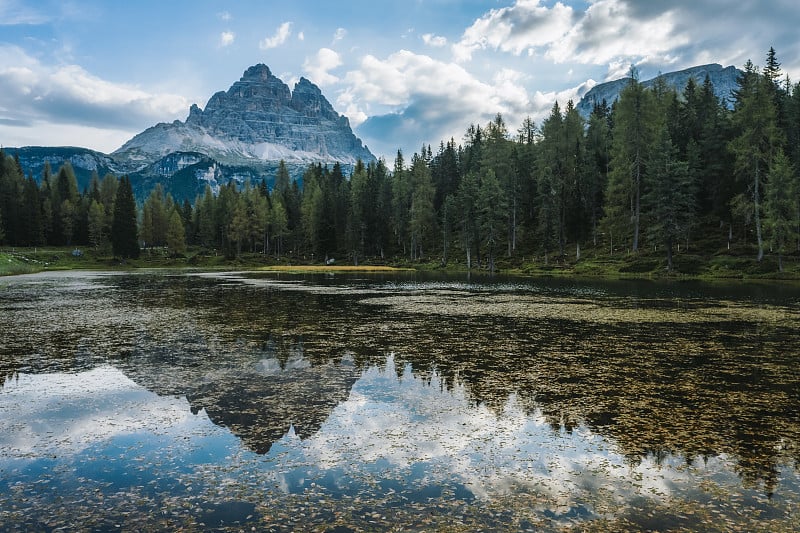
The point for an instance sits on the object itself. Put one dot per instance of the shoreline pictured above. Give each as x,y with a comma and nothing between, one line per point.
725,268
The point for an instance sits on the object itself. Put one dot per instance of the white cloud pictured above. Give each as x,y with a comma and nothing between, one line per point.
281,35
72,412
434,40
301,36
226,38
608,30
520,28
45,133
318,66
340,34
408,95
68,95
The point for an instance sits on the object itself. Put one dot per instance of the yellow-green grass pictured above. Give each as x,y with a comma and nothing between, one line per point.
11,265
301,269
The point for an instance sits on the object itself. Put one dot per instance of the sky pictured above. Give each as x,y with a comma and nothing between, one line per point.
94,73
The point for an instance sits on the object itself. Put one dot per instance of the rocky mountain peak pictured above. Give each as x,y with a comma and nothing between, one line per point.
257,118
308,100
258,72
724,80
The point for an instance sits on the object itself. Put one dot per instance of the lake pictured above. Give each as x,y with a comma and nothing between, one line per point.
276,402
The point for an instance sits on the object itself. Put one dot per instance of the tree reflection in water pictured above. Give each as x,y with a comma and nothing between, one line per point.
656,384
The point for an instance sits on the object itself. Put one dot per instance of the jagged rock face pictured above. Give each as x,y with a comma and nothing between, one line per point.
258,118
724,80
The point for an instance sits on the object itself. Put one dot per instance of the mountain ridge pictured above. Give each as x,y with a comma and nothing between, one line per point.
258,119
236,137
723,79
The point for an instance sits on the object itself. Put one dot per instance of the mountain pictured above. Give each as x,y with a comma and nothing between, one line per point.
84,161
242,134
257,120
723,79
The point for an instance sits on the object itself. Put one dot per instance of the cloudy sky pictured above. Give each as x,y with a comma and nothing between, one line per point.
94,73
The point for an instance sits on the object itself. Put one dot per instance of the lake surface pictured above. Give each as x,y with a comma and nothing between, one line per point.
246,401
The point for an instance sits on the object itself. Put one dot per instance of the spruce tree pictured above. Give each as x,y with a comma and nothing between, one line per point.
671,196
756,142
175,233
635,123
124,230
780,206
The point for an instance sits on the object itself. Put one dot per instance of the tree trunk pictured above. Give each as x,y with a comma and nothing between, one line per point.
669,254
514,228
637,205
757,208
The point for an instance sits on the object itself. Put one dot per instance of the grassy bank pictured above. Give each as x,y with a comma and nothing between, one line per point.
739,264
11,265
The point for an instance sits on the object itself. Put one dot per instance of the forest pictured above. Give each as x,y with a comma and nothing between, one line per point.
657,170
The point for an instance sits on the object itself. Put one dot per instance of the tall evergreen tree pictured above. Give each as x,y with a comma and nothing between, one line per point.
492,205
96,223
671,195
598,151
175,237
422,217
780,206
124,230
756,142
635,124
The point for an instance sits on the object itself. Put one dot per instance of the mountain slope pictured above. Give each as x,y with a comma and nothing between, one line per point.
723,79
257,120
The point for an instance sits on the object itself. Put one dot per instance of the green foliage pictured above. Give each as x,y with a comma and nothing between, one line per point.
97,216
671,195
124,229
659,171
175,233
636,121
780,206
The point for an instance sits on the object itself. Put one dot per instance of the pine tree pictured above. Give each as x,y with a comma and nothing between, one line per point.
176,233
598,147
401,202
97,217
492,205
635,122
124,231
32,214
238,227
361,203
756,141
422,217
64,200
671,196
205,214
780,206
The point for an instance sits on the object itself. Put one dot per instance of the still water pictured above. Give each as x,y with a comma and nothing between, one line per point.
246,401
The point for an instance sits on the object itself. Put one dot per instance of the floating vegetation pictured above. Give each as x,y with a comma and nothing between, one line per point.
236,402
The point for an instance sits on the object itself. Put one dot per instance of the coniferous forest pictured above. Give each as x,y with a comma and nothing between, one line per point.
657,171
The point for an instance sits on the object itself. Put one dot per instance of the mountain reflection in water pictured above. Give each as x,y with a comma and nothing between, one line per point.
552,404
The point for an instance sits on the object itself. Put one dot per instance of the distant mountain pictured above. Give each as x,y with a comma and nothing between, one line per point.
84,161
241,134
723,79
257,120
244,132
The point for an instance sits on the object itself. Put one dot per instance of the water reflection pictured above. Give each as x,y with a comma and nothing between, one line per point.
523,405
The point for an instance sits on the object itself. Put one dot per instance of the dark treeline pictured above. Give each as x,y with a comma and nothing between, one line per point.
658,168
